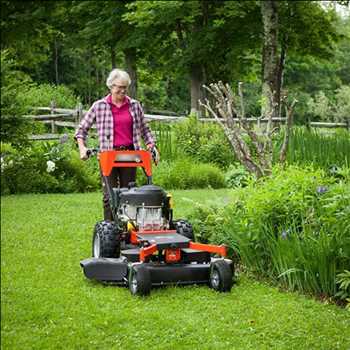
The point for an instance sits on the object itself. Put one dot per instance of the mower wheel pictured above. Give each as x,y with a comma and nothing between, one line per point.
184,228
105,240
220,276
139,280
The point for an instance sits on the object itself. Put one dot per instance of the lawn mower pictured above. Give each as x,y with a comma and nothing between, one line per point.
143,246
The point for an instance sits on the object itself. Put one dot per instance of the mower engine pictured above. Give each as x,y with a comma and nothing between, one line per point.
146,207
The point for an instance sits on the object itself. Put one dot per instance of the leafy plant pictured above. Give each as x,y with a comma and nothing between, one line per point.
46,167
343,280
237,176
203,141
14,127
293,228
41,95
185,173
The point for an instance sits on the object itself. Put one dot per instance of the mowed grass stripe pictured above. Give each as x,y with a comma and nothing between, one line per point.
46,302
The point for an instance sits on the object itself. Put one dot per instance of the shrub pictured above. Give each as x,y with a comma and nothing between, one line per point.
293,227
342,107
343,280
203,141
337,110
14,127
237,176
46,167
43,94
185,174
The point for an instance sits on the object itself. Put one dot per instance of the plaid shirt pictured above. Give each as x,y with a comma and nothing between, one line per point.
101,113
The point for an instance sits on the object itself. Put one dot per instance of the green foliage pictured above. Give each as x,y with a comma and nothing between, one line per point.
203,141
324,108
343,279
45,167
293,228
322,148
13,127
237,176
42,95
320,106
166,141
342,104
27,29
186,173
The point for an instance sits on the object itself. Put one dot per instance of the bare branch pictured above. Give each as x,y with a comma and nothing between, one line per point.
240,92
224,113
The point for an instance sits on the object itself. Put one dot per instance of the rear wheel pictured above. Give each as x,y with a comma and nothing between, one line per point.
220,276
139,280
105,240
184,228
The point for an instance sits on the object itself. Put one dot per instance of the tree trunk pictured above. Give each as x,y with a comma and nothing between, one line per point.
196,75
130,62
269,59
113,57
56,63
279,77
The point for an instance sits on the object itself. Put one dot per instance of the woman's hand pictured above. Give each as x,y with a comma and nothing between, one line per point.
155,153
82,150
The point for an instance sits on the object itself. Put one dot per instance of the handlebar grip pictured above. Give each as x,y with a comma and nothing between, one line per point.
91,152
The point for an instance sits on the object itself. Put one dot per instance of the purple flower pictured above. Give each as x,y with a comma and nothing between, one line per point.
285,233
64,139
321,189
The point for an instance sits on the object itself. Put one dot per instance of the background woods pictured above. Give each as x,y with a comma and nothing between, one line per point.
59,54
172,48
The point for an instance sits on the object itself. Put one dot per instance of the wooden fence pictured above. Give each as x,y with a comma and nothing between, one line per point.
70,118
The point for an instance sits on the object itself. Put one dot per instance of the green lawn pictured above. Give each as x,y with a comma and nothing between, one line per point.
46,303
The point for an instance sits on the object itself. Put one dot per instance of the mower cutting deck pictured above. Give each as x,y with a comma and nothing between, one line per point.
144,246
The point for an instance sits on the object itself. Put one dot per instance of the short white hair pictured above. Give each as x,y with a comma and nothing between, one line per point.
117,74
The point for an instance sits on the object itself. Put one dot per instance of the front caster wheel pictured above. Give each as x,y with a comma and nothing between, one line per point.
139,280
220,276
105,240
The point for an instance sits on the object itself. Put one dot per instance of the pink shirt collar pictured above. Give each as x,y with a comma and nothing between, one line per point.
108,99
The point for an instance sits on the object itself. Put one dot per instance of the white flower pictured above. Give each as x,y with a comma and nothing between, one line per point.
51,166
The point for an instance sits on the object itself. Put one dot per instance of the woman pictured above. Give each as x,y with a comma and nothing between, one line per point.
120,125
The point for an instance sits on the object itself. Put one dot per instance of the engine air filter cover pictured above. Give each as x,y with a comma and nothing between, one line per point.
148,195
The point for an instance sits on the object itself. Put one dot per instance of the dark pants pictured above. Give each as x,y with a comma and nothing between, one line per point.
119,177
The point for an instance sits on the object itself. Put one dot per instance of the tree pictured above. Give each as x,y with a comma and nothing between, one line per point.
108,30
255,154
301,28
269,14
26,32
13,126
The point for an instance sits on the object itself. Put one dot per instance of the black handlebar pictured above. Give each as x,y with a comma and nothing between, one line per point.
92,152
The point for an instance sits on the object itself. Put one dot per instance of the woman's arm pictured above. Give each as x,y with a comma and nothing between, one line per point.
82,131
146,132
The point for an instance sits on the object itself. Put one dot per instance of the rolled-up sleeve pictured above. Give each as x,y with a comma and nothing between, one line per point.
85,124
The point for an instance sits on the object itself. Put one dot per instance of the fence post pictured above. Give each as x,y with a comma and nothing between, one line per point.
79,114
52,112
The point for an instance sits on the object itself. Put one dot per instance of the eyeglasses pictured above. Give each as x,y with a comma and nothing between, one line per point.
119,87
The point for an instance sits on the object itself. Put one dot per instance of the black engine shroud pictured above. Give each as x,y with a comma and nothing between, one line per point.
147,195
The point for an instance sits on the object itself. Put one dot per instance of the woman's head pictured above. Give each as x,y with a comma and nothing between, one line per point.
118,82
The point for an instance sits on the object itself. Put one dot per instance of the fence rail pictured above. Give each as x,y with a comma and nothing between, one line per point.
70,118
